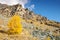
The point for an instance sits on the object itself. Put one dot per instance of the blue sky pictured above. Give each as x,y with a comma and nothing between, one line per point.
47,8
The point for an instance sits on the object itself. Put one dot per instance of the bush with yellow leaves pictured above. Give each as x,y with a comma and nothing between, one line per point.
48,38
14,25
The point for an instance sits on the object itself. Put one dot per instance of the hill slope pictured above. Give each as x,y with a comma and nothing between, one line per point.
35,27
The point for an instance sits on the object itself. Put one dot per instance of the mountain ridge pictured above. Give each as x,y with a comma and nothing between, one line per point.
25,13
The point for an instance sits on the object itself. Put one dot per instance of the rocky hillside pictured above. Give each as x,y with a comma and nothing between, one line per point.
35,27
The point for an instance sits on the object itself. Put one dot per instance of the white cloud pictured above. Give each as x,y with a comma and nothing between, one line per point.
14,2
31,7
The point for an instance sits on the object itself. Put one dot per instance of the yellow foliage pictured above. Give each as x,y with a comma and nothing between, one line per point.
48,38
14,25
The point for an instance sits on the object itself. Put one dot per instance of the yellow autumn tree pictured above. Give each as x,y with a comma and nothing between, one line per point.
14,25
